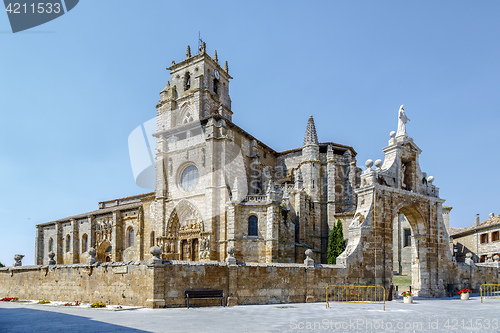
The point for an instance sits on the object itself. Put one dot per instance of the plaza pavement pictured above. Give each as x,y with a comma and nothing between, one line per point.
425,315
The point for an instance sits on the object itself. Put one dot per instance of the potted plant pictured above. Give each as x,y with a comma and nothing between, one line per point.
407,297
464,294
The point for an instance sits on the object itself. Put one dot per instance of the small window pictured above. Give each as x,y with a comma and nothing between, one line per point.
84,243
483,258
484,238
51,245
68,243
130,237
187,81
495,236
253,226
216,84
152,239
407,237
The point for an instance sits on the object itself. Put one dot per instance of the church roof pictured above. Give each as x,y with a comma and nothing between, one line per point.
124,203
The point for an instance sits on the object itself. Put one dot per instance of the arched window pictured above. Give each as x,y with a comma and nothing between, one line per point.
51,245
216,85
152,239
187,81
253,226
84,243
68,243
130,237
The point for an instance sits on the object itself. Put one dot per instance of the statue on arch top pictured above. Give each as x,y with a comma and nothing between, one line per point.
402,120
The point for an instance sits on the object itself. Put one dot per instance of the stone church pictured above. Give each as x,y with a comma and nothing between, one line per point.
217,187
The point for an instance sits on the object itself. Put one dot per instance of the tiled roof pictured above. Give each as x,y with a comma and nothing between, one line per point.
491,222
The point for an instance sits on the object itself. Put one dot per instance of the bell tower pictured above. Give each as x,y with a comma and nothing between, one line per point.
198,88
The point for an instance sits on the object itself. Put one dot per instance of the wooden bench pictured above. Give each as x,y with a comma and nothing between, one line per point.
204,294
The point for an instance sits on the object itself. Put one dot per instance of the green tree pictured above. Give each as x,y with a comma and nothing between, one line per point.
2,265
336,243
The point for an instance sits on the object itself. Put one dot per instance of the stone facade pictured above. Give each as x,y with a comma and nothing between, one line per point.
482,240
216,187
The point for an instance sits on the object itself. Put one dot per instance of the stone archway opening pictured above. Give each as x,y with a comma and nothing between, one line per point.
104,252
410,224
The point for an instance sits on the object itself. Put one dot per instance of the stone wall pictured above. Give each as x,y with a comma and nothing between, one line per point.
140,284
111,283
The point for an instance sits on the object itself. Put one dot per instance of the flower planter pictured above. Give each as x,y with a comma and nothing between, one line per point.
408,299
464,296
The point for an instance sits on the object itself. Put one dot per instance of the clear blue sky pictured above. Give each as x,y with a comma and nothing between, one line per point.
72,90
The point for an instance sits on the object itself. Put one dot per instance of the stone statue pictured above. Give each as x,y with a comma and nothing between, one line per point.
402,120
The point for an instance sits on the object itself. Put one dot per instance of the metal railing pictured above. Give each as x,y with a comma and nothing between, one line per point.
355,294
489,291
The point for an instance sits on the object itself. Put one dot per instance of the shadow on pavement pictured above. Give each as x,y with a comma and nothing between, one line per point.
29,320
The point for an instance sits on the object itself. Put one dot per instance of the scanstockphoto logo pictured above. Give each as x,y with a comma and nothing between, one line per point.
27,14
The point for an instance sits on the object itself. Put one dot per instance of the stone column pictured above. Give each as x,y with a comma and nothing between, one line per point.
39,248
116,237
75,248
59,243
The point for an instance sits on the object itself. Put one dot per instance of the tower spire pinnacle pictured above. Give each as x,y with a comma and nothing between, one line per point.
215,56
311,138
188,52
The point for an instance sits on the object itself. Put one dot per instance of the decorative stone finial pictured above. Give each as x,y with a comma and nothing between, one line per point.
215,56
468,259
173,62
188,52
378,163
309,262
156,251
231,260
392,134
226,67
430,179
369,164
203,48
91,259
495,258
18,258
51,258
311,138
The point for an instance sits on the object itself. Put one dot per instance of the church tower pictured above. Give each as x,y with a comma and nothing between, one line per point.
198,88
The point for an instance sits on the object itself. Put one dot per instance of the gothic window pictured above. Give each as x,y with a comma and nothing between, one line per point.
407,237
188,117
152,239
216,84
253,226
68,243
189,178
51,245
187,81
130,237
84,243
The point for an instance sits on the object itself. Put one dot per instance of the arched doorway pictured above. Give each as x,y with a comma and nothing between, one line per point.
184,233
104,252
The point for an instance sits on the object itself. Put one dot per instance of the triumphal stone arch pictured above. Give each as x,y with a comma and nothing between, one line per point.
398,186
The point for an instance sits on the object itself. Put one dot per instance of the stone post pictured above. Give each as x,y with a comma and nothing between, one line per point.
156,271
310,276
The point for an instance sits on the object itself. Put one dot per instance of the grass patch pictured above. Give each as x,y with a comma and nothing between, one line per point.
403,282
